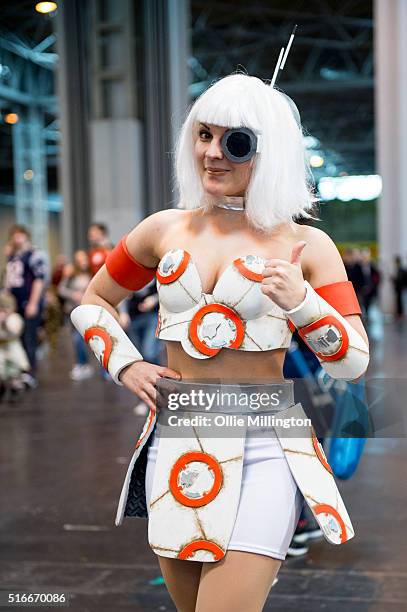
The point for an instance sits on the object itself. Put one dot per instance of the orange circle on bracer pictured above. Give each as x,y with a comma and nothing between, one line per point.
320,453
99,332
328,320
166,280
147,427
246,272
327,509
192,547
197,319
181,463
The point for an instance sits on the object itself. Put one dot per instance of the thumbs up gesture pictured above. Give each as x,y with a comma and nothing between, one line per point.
283,281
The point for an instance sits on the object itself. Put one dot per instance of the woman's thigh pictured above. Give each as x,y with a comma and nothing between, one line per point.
240,582
182,581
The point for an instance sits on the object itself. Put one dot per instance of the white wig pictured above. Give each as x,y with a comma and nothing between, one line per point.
279,188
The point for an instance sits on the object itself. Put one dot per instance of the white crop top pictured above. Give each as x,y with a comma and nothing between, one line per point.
236,315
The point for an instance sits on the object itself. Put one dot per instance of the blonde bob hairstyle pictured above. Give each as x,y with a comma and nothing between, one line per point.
279,189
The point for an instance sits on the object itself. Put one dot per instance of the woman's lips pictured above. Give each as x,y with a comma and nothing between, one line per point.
216,171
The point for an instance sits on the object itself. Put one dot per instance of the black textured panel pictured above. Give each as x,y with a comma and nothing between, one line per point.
136,504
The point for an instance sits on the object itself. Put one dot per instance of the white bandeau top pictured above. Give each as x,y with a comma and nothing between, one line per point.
236,315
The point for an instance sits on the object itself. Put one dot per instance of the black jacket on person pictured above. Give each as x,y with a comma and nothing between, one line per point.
138,296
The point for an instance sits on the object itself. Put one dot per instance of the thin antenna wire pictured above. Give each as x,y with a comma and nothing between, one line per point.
273,80
287,51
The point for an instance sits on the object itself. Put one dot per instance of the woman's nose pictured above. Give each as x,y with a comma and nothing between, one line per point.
214,150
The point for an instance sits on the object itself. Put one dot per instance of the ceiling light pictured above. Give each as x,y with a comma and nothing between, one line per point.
46,7
316,161
11,118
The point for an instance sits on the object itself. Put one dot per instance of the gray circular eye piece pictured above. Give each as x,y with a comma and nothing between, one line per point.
239,144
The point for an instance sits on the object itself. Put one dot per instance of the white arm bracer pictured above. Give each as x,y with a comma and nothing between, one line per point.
106,338
342,351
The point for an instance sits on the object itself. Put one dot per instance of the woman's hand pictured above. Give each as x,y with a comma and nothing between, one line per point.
140,377
283,281
148,303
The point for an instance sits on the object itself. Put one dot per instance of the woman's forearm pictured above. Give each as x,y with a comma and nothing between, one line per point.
90,297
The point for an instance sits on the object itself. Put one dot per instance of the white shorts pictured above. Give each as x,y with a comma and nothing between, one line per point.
270,501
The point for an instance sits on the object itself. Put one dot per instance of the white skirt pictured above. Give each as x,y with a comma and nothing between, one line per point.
270,501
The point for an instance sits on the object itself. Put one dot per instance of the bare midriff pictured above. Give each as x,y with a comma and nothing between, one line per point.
228,365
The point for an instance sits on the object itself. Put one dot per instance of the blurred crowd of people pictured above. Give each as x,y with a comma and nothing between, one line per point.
36,301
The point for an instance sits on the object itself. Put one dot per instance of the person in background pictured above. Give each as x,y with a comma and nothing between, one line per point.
13,359
371,276
58,269
53,318
352,260
7,250
56,277
99,246
73,284
143,311
399,283
26,276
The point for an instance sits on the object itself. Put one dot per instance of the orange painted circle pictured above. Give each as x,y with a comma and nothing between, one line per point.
246,272
147,425
99,332
319,452
327,509
166,280
197,319
192,547
181,464
328,320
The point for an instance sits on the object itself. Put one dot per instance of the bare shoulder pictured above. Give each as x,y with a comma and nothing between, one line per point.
321,261
143,241
314,237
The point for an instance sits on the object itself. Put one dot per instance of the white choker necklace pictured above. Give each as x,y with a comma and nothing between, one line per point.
232,203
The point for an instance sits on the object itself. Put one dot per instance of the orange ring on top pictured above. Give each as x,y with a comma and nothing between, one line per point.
197,318
166,280
327,320
327,509
181,464
192,547
246,272
99,332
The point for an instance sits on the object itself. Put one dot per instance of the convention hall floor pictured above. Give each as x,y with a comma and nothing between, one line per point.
64,451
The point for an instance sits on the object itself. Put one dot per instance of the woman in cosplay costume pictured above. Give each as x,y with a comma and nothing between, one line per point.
235,276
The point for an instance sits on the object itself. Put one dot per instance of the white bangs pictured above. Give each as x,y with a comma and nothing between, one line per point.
227,105
278,190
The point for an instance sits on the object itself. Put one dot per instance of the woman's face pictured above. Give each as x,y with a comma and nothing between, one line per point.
81,260
219,176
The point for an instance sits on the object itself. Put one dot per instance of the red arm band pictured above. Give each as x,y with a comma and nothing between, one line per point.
341,296
125,270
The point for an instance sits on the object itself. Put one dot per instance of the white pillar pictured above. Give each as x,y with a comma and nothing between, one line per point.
117,180
179,24
391,135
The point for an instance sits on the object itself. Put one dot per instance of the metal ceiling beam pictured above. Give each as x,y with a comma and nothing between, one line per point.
13,95
45,60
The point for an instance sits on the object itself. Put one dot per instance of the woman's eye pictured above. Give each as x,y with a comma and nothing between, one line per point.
204,134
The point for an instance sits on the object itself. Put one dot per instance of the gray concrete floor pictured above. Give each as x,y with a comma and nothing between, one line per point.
63,454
